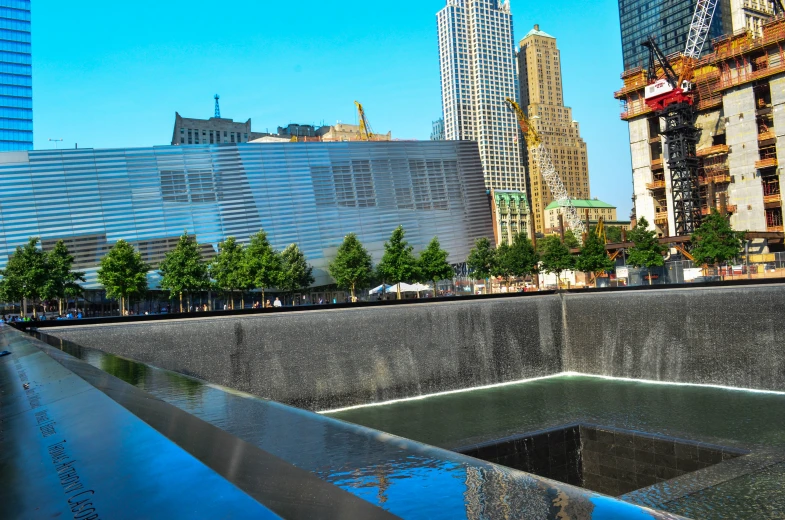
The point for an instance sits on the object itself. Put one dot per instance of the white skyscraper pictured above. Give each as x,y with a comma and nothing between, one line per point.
478,72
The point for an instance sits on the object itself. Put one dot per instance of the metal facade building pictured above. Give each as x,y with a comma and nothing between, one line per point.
16,76
668,20
312,194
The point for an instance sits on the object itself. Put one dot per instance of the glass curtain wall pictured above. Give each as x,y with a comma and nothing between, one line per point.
16,76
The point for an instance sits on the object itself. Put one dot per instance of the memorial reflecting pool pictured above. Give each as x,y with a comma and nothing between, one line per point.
727,417
744,420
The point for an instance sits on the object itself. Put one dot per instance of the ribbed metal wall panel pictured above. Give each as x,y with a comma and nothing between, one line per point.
311,194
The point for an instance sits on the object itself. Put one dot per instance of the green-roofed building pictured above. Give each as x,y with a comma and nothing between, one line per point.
597,209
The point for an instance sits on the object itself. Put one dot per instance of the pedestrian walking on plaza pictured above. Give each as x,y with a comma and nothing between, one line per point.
277,302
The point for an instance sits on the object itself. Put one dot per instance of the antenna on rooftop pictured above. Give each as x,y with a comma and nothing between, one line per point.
217,107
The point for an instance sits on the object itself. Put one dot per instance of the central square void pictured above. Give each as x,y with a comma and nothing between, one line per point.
606,460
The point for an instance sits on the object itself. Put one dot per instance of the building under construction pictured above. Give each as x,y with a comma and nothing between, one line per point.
740,99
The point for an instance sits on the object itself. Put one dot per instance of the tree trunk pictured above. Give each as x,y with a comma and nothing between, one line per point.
649,271
59,306
398,289
352,291
231,297
122,305
242,300
181,302
190,302
264,302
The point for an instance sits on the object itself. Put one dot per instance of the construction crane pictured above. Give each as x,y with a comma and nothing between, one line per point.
366,134
600,230
672,98
543,160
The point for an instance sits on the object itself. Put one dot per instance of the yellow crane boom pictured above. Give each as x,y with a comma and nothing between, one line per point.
542,157
366,134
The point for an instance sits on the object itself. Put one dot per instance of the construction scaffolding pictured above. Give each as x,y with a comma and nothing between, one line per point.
736,59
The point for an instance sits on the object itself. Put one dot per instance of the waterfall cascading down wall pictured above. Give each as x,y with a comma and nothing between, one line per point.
333,358
327,359
729,336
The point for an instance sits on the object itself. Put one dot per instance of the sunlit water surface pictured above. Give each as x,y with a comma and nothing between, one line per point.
395,478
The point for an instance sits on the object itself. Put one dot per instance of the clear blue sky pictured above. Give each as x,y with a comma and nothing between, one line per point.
112,74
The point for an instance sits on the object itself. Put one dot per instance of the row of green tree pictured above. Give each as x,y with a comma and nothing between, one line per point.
713,242
520,258
352,267
184,271
36,275
258,266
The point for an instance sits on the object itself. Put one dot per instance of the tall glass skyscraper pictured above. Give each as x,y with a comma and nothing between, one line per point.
16,76
669,21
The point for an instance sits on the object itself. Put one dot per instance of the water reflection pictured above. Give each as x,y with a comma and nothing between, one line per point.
409,480
128,371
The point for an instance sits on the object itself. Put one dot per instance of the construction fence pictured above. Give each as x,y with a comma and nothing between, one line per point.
684,271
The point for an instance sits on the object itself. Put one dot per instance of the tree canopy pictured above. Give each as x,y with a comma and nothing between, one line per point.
613,234
715,241
555,256
482,259
570,240
264,265
25,274
517,260
183,270
351,267
647,251
523,258
228,268
61,280
433,264
123,273
296,274
593,257
503,264
398,262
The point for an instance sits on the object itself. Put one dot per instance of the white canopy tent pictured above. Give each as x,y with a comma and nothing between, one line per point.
405,287
380,289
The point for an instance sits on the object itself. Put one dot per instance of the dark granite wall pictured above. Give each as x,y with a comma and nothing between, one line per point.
334,358
616,462
327,359
554,453
599,458
725,336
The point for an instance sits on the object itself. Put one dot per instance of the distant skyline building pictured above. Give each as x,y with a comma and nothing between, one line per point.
478,72
596,209
542,98
437,130
669,21
346,132
215,130
16,76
